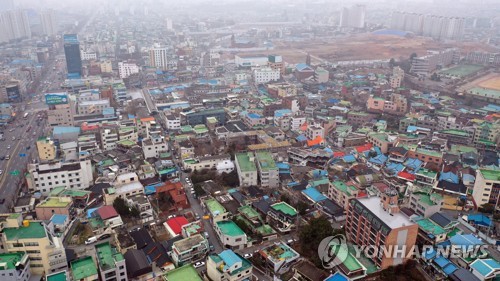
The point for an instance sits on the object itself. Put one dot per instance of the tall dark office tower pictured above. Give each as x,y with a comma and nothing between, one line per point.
73,58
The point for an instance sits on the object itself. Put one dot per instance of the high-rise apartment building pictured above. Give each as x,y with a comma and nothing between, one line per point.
376,221
14,25
48,21
158,57
437,27
353,17
72,53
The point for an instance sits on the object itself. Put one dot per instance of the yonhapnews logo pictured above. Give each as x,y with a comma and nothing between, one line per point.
333,251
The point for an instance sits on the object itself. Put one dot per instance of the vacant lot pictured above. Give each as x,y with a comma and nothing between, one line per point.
359,47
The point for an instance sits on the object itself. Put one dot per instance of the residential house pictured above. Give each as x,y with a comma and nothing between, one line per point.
229,266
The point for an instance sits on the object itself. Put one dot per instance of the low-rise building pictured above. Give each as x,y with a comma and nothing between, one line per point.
278,257
486,187
341,193
84,269
228,266
230,235
45,250
206,162
216,210
111,263
15,266
246,168
265,75
54,205
425,203
282,216
268,171
152,146
45,177
189,250
47,149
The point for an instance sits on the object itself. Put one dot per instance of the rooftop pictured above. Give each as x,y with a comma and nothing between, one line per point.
395,220
491,175
10,259
244,162
83,268
266,161
187,272
341,186
34,230
54,202
279,252
59,276
230,228
188,243
430,227
215,207
249,212
107,256
284,208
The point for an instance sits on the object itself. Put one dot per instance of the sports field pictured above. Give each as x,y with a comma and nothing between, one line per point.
492,82
462,70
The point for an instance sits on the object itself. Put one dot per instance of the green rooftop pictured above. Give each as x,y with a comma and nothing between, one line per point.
186,129
426,173
266,161
244,162
483,92
429,152
462,70
249,212
491,175
215,207
284,208
9,260
342,187
126,143
427,198
351,263
54,202
428,226
33,231
83,268
187,272
456,132
60,276
265,230
230,228
107,256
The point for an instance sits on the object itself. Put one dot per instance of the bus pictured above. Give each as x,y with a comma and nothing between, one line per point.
26,115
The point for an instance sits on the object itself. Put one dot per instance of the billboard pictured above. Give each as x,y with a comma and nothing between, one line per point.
56,98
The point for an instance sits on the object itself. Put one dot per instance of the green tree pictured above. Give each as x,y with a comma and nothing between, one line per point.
302,207
121,207
285,199
230,179
134,212
392,62
311,235
243,226
487,208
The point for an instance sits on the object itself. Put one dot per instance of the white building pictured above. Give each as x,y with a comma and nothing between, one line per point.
48,21
45,177
246,168
250,61
228,266
265,75
353,17
125,69
314,131
230,235
92,107
172,122
109,137
152,146
487,182
111,263
296,122
225,166
15,266
14,24
189,249
88,55
397,77
158,57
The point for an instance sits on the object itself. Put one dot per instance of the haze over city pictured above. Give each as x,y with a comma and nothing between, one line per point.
249,140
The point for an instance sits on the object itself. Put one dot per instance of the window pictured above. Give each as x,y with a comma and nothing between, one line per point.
31,244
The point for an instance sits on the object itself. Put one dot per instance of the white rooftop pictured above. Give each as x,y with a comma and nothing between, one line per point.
393,221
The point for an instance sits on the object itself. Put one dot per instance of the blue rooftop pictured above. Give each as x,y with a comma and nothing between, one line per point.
229,258
302,66
379,159
301,138
479,219
282,112
90,212
485,266
254,115
465,240
65,130
413,164
314,194
59,219
70,38
337,277
349,158
449,177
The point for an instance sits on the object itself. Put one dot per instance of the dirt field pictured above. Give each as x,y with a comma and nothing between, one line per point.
359,47
492,82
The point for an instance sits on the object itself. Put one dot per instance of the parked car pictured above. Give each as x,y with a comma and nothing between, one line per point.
104,236
247,256
199,264
2,200
91,240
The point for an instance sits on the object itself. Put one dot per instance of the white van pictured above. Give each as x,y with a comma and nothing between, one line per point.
91,240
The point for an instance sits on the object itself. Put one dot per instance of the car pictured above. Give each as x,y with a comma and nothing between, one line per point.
2,200
7,157
28,147
34,133
190,184
197,216
199,264
187,179
212,247
8,146
247,256
290,241
1,172
206,234
2,158
11,130
91,240
104,236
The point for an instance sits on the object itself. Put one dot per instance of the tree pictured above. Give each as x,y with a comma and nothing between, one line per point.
285,199
412,56
312,234
302,208
121,207
487,208
230,179
134,212
243,226
392,62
